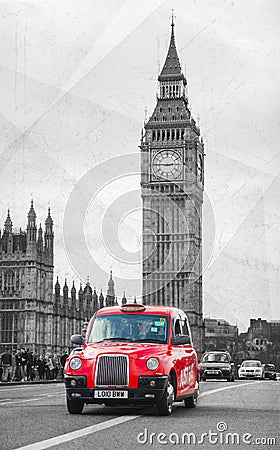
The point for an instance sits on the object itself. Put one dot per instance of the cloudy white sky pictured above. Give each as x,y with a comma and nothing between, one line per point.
75,80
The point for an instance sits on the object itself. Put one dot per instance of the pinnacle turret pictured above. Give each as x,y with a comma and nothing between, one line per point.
40,241
172,68
65,291
111,295
95,298
49,235
73,291
124,298
31,231
31,215
101,300
8,224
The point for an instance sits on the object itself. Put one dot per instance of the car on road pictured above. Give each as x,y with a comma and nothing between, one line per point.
133,355
216,365
269,371
251,368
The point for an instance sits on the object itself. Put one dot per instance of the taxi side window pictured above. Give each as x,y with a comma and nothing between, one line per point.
185,327
177,328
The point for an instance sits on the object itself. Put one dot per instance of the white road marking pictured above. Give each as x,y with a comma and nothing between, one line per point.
225,388
103,425
20,401
77,434
16,402
25,388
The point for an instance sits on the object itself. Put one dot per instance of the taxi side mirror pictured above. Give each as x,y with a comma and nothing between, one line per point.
77,339
182,339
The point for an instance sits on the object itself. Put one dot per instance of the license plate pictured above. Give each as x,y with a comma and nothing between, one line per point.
213,372
111,394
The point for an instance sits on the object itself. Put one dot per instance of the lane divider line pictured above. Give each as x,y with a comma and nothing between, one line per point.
26,388
20,401
203,394
77,434
104,425
16,402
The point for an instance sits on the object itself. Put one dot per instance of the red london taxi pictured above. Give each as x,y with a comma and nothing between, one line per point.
133,354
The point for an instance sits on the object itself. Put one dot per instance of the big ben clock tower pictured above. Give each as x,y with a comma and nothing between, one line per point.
172,184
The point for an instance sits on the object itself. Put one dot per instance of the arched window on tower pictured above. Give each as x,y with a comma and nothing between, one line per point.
163,91
158,135
177,134
173,135
154,135
168,134
163,135
182,134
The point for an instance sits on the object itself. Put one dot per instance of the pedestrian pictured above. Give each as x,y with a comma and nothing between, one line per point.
56,366
18,368
6,359
14,365
29,362
41,367
49,366
32,371
63,361
1,365
23,364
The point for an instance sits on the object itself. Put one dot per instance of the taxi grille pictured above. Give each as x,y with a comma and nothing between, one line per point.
112,370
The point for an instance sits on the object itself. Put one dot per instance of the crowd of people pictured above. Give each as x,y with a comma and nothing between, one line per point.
23,365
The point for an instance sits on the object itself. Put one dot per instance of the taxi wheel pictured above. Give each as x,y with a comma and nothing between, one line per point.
191,402
75,406
165,405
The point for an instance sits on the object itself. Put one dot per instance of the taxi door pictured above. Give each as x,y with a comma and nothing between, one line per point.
184,357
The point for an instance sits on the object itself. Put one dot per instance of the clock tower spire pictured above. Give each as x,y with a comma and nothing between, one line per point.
172,184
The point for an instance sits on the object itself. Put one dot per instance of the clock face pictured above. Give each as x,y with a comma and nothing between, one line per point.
200,168
167,165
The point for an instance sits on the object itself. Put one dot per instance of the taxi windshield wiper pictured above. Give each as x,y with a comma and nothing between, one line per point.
150,340
113,339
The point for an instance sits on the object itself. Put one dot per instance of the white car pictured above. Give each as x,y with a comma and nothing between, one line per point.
251,368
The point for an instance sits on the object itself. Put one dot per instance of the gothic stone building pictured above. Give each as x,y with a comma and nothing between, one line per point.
31,314
172,184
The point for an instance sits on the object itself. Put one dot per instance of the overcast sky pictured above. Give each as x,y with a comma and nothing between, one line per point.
76,78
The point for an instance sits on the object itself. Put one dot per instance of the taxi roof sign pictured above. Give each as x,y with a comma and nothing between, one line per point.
132,307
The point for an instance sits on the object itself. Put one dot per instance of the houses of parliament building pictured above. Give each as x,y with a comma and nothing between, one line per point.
33,314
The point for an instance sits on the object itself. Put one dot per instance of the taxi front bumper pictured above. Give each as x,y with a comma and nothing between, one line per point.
150,390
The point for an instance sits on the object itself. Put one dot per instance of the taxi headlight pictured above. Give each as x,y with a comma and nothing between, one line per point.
152,363
75,363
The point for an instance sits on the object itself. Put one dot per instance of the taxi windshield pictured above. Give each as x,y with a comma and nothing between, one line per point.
129,328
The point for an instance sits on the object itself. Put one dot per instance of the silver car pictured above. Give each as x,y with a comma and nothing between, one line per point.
251,368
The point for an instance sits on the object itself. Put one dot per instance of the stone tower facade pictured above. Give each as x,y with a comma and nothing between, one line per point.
26,282
33,314
172,184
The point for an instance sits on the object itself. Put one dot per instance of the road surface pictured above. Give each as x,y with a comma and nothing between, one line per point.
229,415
